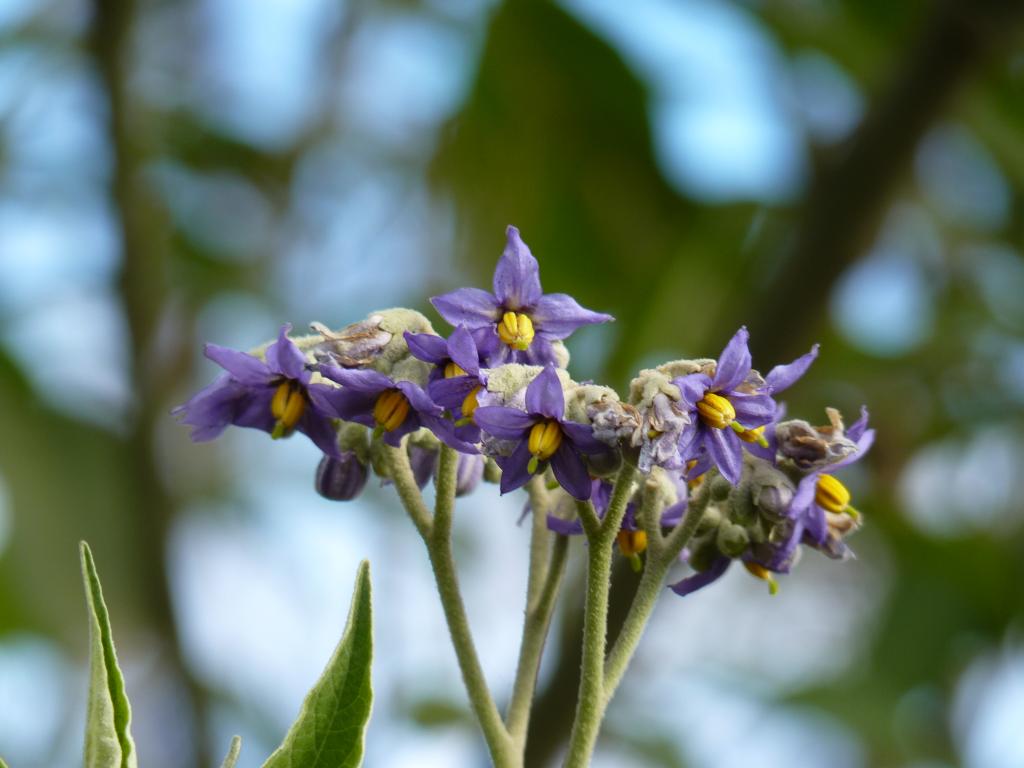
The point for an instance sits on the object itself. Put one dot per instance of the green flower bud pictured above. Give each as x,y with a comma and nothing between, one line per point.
732,539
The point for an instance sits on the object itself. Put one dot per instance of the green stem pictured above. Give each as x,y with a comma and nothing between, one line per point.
539,538
397,461
536,623
437,537
590,702
660,557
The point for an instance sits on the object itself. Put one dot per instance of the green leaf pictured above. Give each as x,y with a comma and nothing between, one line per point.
331,728
232,758
108,742
2,763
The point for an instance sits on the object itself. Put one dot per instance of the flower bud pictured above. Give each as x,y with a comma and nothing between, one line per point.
423,462
741,505
492,472
341,479
469,473
378,342
814,447
604,464
732,539
720,488
703,553
773,501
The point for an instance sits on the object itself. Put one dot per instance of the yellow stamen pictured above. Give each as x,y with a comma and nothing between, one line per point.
716,411
632,542
470,403
762,573
453,369
831,495
287,407
390,410
755,435
516,330
545,437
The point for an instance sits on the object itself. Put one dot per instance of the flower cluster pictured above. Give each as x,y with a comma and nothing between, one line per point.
497,390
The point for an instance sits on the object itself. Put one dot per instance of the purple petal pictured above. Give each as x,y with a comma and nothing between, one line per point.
517,276
857,428
322,432
285,358
253,410
783,376
672,515
540,352
570,472
211,409
357,379
815,525
689,440
582,436
753,410
804,496
450,393
557,315
471,307
514,468
503,423
782,559
726,451
462,350
492,350
700,580
446,432
601,496
354,405
423,463
411,424
564,527
734,362
428,347
864,438
704,463
544,395
242,366
320,398
418,399
692,388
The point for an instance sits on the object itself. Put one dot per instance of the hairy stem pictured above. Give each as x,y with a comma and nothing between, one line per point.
590,704
400,471
660,558
437,537
539,609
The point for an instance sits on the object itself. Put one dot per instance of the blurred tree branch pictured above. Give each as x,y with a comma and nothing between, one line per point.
848,196
852,187
143,291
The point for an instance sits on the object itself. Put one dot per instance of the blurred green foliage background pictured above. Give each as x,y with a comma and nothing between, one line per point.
819,170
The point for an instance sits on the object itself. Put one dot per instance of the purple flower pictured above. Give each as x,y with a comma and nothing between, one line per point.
392,408
818,495
274,395
456,377
341,479
541,436
518,322
701,579
735,402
